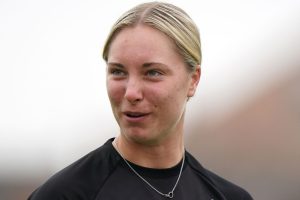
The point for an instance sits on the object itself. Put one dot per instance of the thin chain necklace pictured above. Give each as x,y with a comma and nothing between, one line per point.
169,194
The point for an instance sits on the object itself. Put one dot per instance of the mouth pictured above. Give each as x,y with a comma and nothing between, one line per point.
135,114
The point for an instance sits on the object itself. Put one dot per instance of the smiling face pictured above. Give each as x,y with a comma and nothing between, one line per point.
148,85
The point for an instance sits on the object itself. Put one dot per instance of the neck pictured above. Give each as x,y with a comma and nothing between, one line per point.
164,155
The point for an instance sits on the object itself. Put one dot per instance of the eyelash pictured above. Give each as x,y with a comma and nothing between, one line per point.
117,72
151,74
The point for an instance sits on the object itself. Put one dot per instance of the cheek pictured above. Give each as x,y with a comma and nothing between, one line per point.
156,95
114,91
166,98
177,98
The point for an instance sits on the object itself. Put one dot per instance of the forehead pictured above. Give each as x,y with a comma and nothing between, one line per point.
142,42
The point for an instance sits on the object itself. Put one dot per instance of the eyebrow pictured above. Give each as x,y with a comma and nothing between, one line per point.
153,64
115,64
146,65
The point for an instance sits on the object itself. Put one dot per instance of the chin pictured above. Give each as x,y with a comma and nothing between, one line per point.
142,138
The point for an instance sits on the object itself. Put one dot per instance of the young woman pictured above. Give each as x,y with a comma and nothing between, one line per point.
153,59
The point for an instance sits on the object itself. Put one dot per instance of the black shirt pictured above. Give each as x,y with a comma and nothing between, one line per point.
130,186
104,175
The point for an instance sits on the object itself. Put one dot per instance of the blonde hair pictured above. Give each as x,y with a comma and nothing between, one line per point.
170,20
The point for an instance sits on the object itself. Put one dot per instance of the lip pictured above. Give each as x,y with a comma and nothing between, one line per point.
135,117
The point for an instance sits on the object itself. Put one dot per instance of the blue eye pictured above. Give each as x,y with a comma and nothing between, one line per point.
117,72
153,73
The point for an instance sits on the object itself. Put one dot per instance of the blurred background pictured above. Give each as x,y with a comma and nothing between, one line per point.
243,123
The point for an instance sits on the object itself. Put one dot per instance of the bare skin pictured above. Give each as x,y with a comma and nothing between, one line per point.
148,85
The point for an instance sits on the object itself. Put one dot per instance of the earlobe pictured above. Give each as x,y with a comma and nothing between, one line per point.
195,78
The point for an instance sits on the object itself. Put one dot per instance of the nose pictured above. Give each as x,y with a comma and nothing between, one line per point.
133,93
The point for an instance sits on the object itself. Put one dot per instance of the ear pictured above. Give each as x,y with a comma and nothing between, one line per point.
195,78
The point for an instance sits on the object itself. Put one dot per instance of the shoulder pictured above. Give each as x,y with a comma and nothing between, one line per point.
223,187
82,179
229,189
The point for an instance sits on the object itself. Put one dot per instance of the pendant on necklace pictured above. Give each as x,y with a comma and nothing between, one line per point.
170,195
